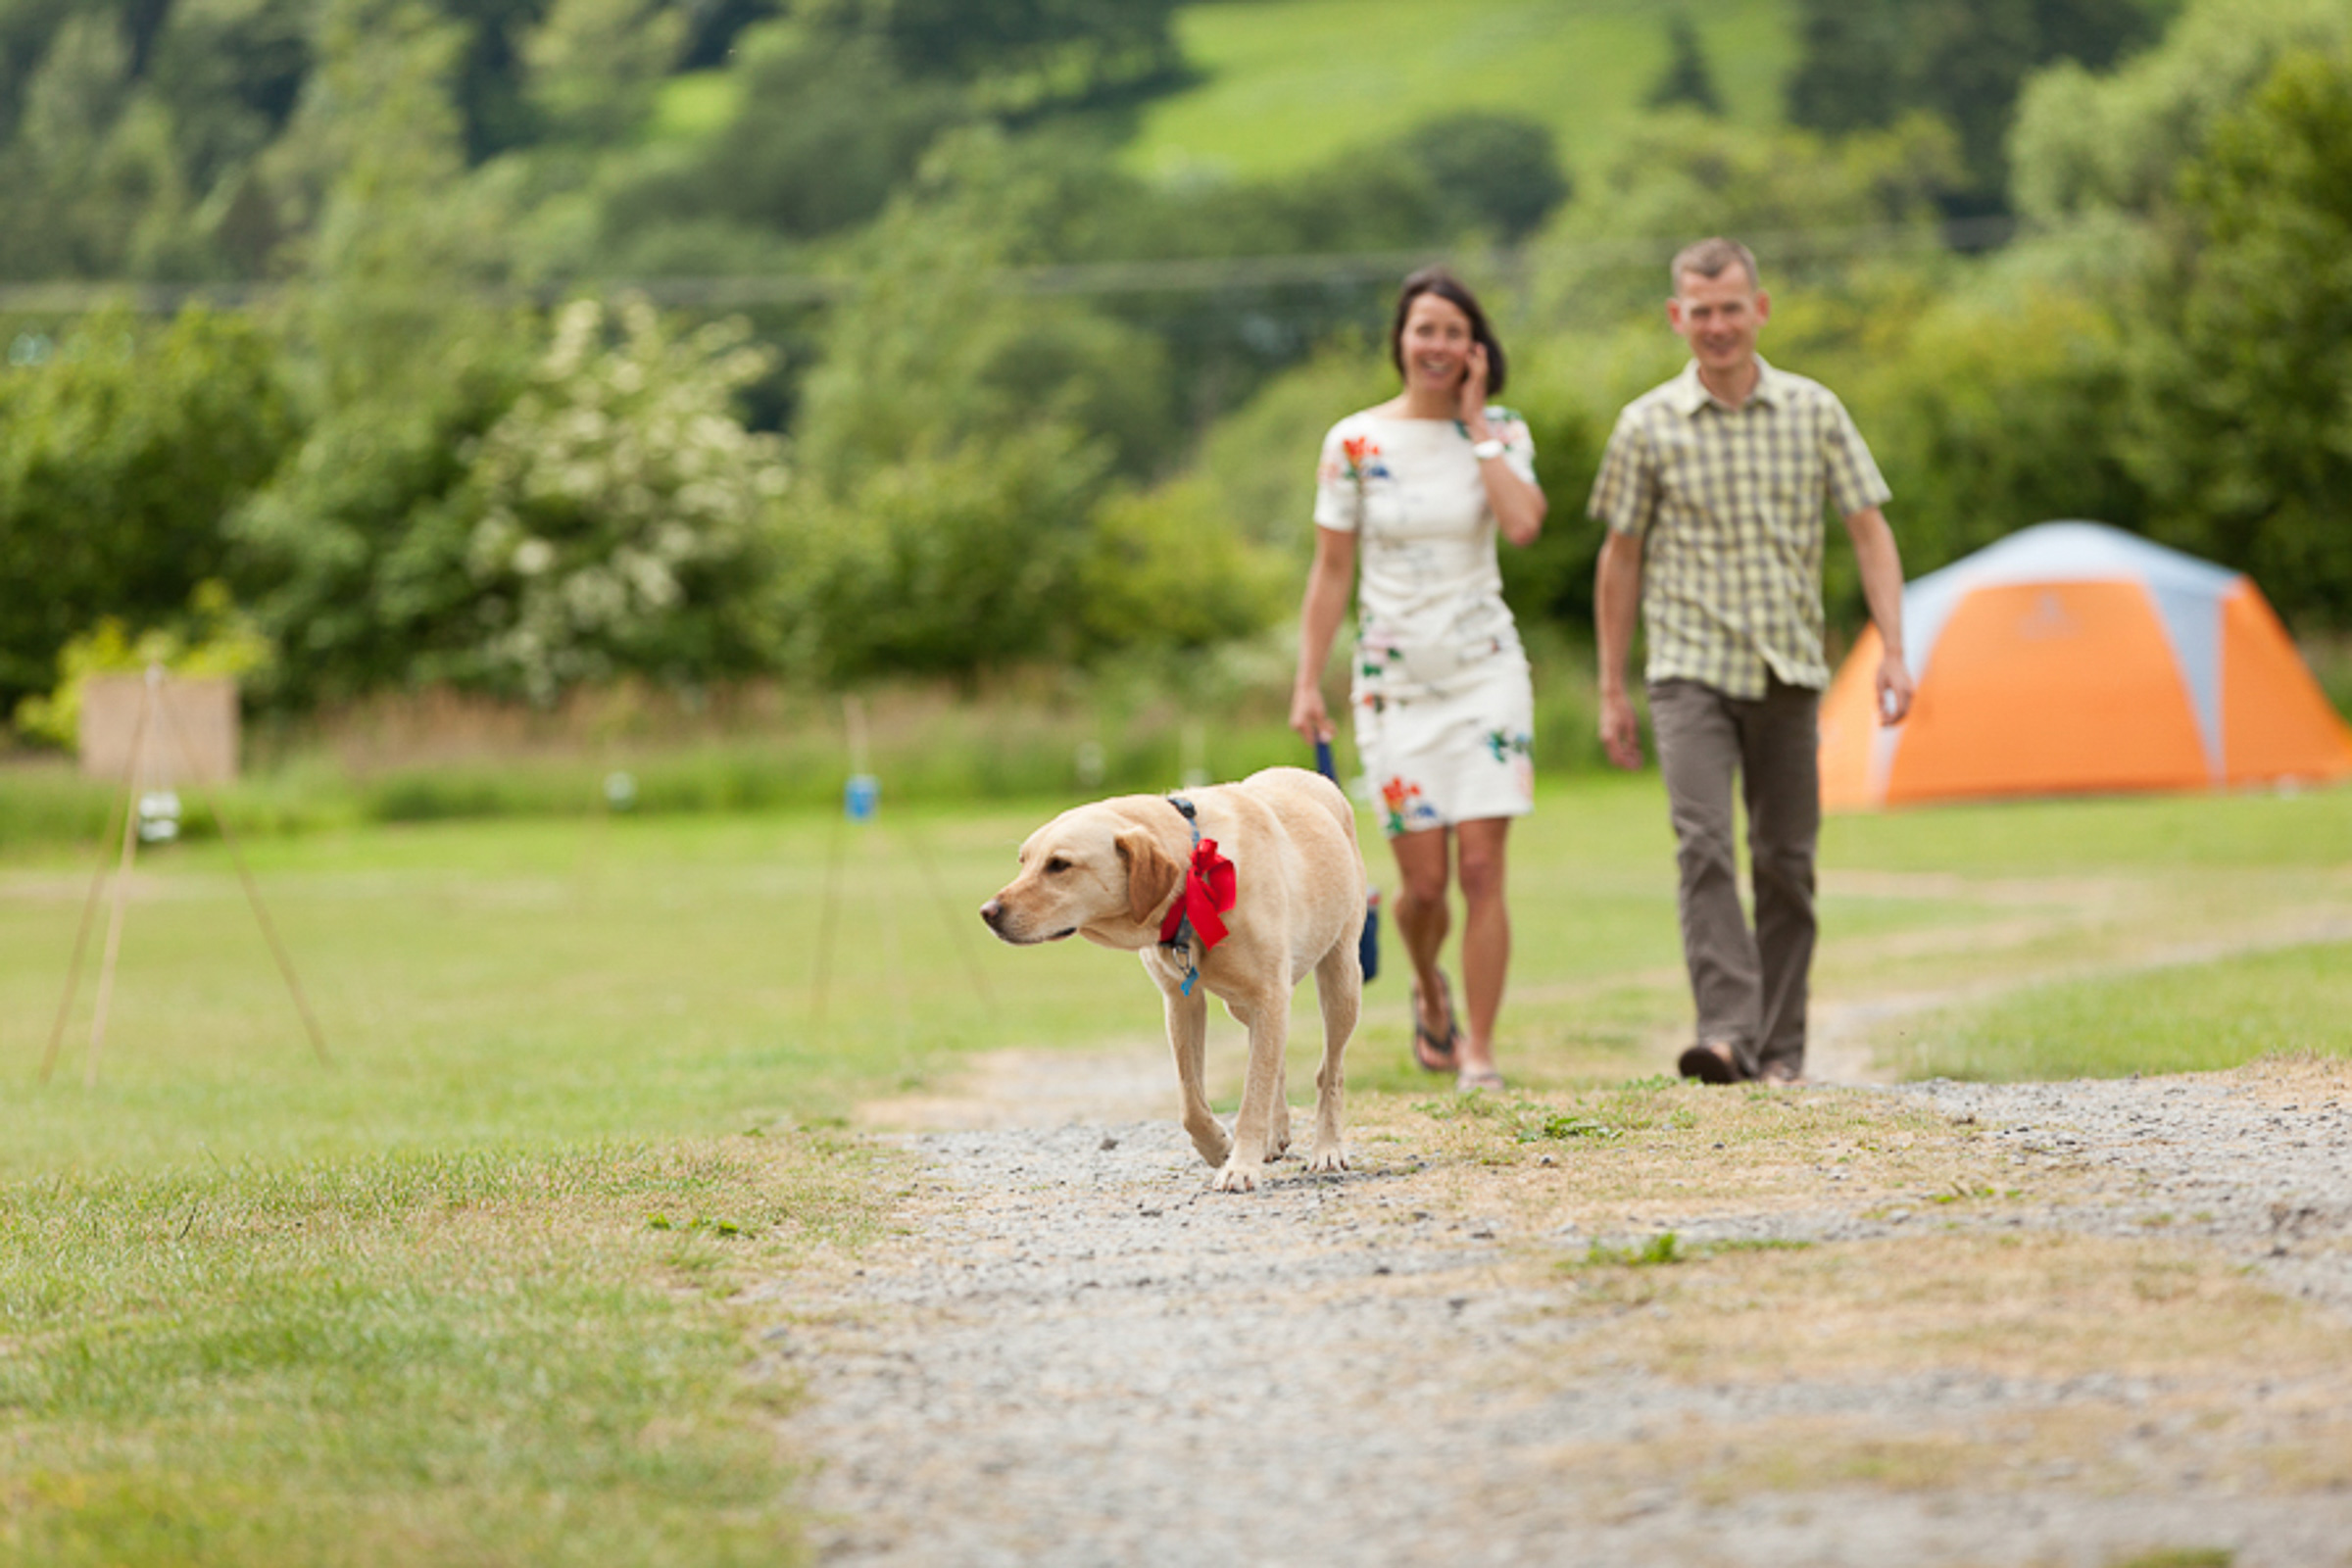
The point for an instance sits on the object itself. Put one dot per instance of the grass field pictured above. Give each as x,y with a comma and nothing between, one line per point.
474,1290
1290,85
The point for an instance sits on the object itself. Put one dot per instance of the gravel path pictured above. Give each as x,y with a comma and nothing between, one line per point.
1076,1355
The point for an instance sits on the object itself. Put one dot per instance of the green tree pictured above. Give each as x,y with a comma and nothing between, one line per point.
1687,82
1025,54
1811,207
947,562
613,520
827,129
2090,146
66,205
127,133
2245,394
1992,407
399,361
931,353
126,450
1868,63
592,66
1495,173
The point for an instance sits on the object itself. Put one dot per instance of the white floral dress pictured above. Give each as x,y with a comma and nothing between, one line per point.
1444,712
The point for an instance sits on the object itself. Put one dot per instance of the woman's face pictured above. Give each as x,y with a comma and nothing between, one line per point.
1434,343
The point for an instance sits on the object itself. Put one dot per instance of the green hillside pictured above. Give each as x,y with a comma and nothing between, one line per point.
1291,83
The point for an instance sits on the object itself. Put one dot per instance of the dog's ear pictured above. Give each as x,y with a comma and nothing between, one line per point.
1150,875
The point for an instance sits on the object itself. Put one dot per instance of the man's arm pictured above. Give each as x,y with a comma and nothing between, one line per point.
1881,568
1616,601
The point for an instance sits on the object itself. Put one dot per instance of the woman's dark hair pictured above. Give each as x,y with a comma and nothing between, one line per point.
1446,286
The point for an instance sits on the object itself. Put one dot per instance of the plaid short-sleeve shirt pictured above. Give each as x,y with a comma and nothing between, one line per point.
1728,503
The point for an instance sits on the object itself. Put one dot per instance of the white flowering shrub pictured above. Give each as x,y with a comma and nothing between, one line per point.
617,516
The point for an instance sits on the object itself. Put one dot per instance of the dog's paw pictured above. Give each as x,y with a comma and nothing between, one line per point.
1323,1162
1236,1177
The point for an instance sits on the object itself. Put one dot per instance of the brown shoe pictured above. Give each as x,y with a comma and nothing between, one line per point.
1710,1062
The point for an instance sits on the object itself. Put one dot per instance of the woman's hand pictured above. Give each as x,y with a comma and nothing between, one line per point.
1471,408
1309,718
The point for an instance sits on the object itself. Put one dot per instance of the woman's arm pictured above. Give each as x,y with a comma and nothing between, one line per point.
1329,582
1517,505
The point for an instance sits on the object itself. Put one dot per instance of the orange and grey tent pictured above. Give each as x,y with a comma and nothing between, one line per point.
2075,658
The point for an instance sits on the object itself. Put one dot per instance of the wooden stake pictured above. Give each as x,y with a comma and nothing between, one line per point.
89,905
122,890
253,894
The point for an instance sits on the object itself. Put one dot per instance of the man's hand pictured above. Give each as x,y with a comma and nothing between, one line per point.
1620,729
1881,568
1894,690
1616,601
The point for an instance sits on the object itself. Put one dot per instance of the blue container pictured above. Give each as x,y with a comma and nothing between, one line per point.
862,797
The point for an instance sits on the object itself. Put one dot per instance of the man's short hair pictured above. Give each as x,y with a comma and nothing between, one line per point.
1708,258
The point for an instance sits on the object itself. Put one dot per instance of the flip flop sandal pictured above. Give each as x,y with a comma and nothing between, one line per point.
1477,1079
1431,1054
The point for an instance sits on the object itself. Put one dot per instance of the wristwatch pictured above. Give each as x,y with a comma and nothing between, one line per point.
1491,447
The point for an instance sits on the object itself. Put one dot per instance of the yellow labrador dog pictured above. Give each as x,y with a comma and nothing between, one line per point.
1232,890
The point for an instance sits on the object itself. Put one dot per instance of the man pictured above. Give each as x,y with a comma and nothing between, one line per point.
1712,489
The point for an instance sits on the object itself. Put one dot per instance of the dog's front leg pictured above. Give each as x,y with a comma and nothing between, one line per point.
1268,1022
1188,1032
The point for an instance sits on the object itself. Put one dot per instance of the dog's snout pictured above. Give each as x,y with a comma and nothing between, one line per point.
993,911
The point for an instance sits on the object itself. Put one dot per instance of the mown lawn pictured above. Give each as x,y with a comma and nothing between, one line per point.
475,1290
1291,84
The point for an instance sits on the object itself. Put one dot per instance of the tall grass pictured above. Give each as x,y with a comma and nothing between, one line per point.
440,756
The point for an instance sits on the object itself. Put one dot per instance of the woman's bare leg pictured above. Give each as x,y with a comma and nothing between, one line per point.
1485,936
1421,917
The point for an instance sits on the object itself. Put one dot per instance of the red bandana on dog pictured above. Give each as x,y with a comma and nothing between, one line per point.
1208,891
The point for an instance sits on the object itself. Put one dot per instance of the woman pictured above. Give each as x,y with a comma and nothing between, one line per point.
1412,492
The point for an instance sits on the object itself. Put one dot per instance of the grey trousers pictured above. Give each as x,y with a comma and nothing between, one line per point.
1749,984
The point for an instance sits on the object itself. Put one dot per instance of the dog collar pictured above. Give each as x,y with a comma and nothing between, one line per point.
1209,888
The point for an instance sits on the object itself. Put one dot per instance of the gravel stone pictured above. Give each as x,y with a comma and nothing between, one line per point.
1078,1357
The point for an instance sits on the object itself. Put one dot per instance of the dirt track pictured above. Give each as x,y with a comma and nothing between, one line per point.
2135,1334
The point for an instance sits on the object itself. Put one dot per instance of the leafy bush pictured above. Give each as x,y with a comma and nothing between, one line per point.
612,521
1997,411
947,565
125,449
213,639
350,610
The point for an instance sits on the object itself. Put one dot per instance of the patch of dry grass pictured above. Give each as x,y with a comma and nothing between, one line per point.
2306,1080
2037,1305
1652,1152
2126,1363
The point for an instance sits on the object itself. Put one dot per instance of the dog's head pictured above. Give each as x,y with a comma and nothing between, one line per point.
1095,871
